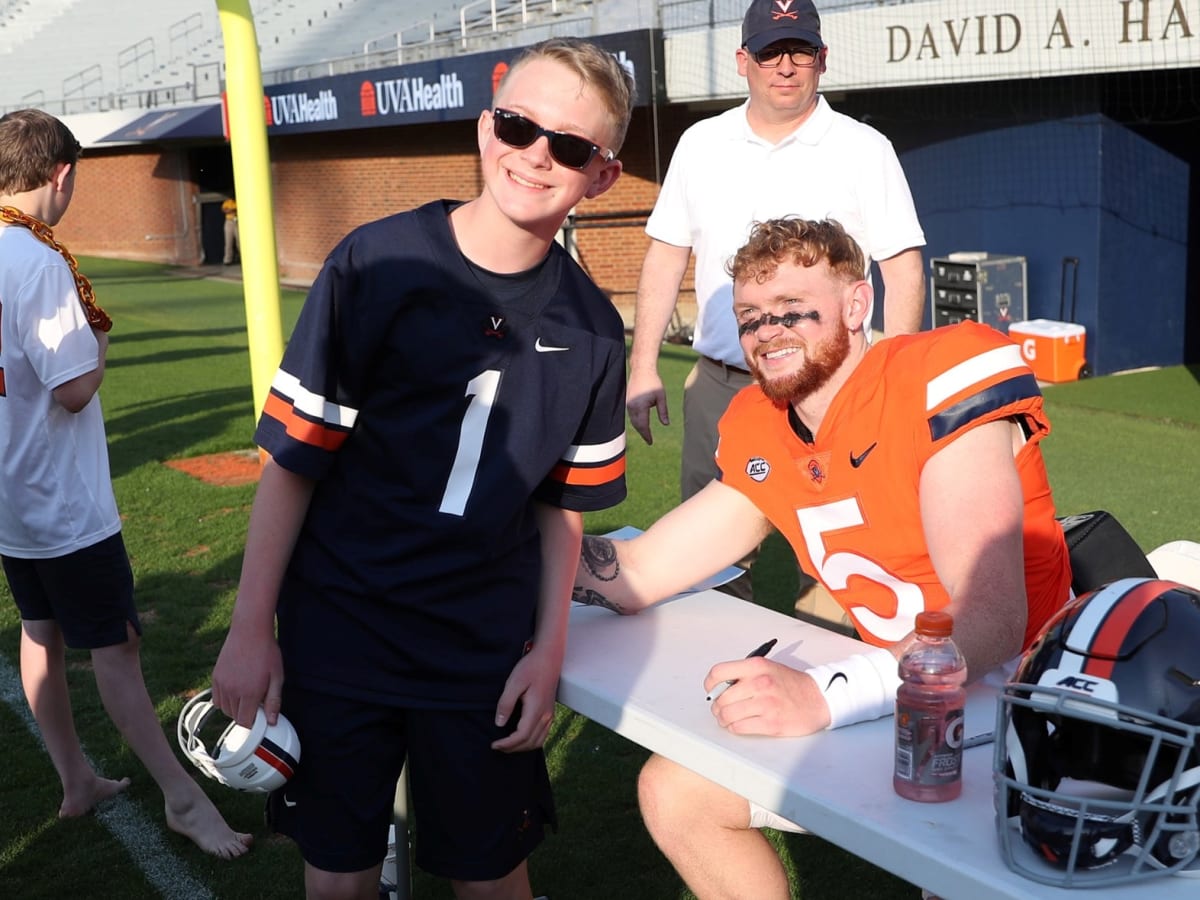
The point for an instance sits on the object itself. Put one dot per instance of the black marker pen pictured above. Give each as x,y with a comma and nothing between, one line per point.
757,651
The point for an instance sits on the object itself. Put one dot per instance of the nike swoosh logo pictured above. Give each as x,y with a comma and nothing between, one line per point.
857,461
288,803
836,676
542,348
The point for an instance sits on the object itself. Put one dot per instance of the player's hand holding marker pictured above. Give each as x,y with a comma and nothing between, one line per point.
756,695
756,652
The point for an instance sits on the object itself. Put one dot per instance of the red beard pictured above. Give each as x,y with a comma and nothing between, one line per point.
821,362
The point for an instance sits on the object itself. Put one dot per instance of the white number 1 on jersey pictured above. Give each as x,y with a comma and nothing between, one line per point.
482,391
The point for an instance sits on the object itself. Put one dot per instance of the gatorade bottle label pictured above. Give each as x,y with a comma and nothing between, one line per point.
928,745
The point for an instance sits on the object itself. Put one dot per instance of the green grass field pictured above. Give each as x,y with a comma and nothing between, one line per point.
178,386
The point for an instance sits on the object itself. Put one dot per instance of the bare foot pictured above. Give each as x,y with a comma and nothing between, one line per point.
197,819
83,800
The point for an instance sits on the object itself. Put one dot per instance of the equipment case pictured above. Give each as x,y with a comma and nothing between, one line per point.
983,287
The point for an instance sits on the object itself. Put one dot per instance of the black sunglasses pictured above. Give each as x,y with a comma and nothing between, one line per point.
569,150
802,57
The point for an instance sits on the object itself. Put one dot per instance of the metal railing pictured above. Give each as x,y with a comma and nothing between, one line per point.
372,46
181,33
78,83
496,14
139,57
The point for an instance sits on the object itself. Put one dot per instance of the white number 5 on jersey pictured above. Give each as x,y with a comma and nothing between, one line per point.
836,569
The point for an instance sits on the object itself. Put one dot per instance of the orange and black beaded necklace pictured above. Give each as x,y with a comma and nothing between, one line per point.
96,316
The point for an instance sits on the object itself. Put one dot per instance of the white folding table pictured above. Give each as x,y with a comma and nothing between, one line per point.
642,676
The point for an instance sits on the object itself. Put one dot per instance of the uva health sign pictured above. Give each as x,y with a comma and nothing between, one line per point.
440,90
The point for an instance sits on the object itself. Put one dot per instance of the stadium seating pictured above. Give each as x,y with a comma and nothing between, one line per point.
83,56
75,55
21,20
117,54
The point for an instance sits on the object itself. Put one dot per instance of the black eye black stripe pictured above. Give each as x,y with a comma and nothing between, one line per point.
787,320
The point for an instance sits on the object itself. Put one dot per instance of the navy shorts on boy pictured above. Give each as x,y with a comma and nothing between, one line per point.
88,593
478,812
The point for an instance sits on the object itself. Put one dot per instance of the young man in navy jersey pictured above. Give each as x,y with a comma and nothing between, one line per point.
450,403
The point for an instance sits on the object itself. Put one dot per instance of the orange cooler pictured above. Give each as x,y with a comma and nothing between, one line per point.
1054,350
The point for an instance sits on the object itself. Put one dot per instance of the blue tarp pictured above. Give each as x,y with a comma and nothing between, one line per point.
171,124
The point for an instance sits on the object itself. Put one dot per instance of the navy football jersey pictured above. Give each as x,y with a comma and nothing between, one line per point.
431,414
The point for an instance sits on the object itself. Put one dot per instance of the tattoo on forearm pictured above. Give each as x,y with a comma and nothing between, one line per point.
588,597
599,556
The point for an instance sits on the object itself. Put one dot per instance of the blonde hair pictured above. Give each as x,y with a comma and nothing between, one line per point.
800,241
32,143
596,68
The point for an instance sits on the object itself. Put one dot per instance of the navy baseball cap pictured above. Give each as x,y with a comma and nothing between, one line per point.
768,21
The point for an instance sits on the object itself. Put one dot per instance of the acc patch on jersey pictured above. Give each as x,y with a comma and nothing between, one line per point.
758,469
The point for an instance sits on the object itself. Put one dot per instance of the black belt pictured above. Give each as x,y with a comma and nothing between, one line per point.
725,366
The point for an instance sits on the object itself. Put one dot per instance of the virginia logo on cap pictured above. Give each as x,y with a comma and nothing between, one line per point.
784,10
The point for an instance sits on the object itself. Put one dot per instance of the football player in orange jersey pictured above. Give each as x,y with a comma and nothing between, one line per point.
875,462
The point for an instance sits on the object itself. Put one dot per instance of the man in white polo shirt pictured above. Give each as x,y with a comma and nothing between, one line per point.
782,152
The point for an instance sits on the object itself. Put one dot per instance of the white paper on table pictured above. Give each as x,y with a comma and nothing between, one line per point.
717,579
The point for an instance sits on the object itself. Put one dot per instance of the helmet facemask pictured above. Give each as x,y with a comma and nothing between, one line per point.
1080,813
258,759
1091,789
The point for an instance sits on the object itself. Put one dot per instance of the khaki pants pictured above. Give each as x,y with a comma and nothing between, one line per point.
233,243
707,392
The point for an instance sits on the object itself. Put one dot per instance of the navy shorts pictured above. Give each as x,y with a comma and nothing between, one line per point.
478,812
88,593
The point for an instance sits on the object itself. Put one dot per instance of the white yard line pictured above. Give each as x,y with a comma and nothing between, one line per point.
140,837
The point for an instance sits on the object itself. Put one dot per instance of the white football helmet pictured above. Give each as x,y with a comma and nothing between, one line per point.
258,759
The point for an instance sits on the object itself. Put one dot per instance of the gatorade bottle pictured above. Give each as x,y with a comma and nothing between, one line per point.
929,713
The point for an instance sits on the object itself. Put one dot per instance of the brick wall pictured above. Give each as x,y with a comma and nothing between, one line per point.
608,237
611,249
133,203
325,185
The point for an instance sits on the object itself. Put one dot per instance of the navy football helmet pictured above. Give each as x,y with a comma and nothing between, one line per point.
1097,762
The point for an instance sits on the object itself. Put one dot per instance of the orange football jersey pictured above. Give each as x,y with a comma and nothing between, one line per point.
849,501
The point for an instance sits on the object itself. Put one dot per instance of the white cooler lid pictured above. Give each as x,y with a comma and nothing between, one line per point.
1047,328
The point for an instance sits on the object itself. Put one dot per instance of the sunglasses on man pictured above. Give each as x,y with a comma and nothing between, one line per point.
802,56
569,150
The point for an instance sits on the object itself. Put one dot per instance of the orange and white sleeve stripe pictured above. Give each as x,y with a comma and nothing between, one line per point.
591,465
307,416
